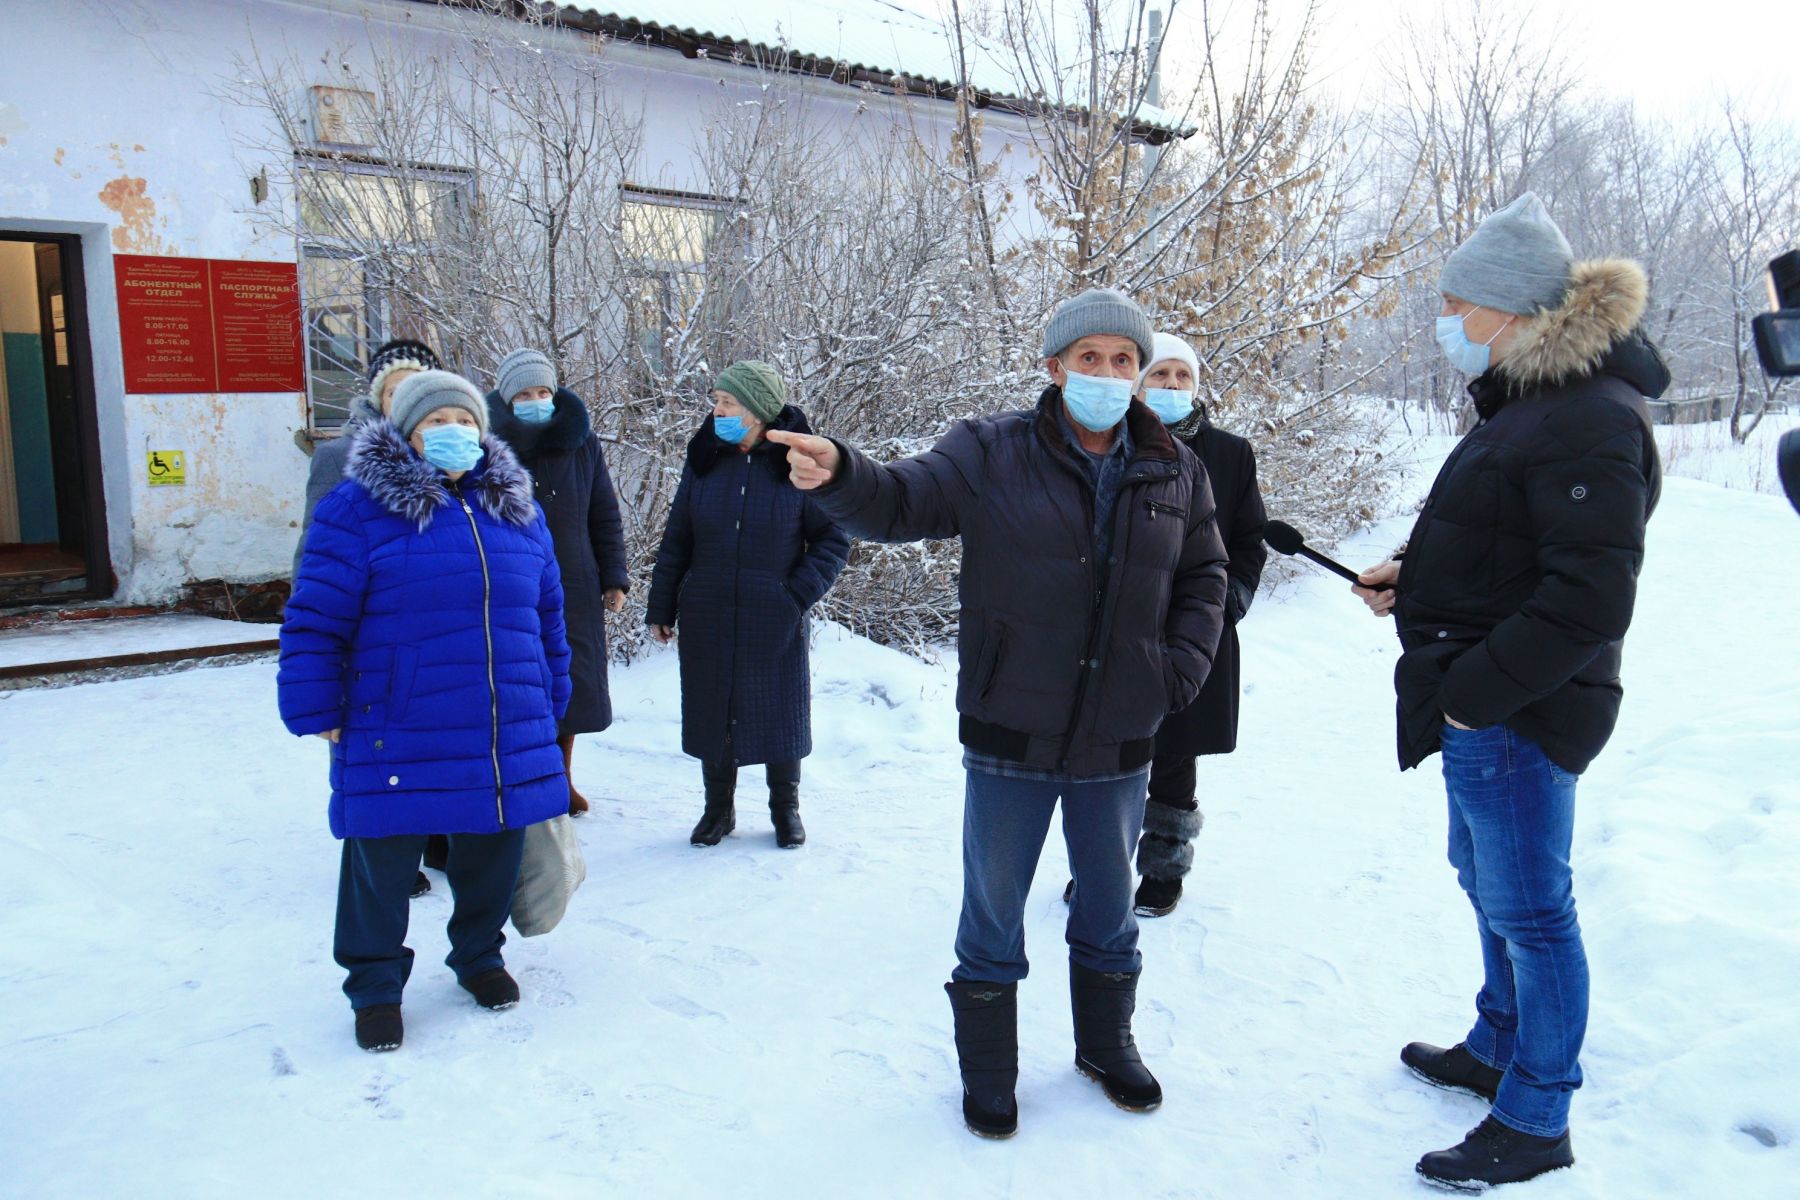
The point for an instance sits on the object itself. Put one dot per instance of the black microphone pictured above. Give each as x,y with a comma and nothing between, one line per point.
1285,539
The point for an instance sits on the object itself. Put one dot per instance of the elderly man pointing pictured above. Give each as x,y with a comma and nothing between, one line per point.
1092,590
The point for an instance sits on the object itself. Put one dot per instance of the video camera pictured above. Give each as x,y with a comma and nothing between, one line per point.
1778,331
1777,335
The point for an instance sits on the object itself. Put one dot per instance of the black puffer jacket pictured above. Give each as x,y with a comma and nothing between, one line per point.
1519,578
570,481
1065,663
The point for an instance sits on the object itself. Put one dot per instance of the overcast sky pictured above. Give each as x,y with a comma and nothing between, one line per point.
1676,59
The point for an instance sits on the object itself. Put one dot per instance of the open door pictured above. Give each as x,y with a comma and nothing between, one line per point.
52,508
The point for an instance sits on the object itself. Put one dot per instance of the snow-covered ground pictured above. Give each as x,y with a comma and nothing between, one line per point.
750,1022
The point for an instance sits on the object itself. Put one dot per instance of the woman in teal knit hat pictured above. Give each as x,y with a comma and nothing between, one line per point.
744,556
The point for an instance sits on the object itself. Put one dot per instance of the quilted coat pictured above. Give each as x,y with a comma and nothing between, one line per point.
1209,725
570,480
1065,663
744,556
426,624
1519,579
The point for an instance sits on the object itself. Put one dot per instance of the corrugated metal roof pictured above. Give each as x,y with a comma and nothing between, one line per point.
873,37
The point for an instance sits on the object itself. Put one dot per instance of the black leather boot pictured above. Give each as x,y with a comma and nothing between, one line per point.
1454,1070
987,1051
1495,1153
1105,1052
784,811
720,817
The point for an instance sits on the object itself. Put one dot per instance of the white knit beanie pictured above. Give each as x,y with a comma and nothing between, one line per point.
1166,346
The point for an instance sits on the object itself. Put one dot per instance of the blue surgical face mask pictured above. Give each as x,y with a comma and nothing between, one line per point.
1096,402
452,447
730,429
534,412
1169,404
1471,358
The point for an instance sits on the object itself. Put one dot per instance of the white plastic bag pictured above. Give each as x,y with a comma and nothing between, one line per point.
549,874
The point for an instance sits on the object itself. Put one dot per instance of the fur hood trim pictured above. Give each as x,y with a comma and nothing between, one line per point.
408,486
1605,301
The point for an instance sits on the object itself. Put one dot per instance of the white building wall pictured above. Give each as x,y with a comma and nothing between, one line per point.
113,125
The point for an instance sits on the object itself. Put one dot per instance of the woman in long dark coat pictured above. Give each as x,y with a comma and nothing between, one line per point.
549,431
743,558
1209,725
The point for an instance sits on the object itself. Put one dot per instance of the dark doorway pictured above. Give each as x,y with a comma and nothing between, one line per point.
52,507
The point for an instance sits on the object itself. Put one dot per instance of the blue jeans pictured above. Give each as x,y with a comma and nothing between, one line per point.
1005,820
1512,816
375,882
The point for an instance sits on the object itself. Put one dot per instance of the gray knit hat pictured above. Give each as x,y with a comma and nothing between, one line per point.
520,370
418,396
1099,310
1516,261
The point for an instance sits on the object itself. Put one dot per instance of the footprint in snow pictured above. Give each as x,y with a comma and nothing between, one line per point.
702,1111
543,987
1288,1122
375,1092
684,1008
506,1028
731,956
681,971
280,1063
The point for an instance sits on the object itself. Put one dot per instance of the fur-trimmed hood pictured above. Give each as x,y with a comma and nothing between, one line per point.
705,449
408,486
565,431
1605,301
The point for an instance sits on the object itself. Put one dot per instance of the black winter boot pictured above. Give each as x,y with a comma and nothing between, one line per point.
720,817
379,1028
492,989
421,885
784,811
1495,1153
1165,855
1454,1070
1156,897
1105,1052
987,1051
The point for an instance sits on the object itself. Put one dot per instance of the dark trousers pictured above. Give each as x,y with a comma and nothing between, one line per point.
1173,778
375,881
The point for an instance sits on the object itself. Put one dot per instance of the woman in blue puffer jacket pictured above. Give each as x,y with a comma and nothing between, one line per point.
424,639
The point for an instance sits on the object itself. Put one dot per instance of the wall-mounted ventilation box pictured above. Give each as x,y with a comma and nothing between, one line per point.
343,117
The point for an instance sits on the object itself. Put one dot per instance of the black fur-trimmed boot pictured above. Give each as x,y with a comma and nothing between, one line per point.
720,817
1165,856
1103,1002
987,1053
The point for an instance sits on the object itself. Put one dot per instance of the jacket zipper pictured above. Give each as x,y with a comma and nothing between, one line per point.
1096,616
487,629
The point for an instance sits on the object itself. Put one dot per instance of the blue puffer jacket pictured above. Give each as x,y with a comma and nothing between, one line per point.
426,623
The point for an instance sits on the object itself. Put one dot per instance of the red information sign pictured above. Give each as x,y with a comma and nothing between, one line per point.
208,325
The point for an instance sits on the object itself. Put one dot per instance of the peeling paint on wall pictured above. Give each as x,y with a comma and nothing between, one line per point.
11,122
135,232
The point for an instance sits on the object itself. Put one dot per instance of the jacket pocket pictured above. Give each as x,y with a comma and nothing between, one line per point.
1161,508
987,667
400,686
